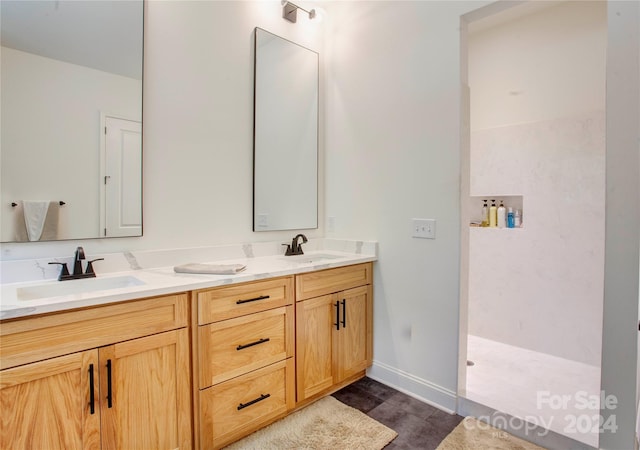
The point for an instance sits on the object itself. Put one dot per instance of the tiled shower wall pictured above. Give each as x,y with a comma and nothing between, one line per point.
541,287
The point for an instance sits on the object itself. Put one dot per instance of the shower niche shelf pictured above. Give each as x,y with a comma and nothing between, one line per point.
510,201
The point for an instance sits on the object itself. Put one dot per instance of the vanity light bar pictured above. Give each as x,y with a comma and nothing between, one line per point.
290,11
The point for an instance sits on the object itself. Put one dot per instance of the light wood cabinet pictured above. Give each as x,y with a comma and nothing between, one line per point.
245,342
133,394
46,405
190,370
333,331
146,393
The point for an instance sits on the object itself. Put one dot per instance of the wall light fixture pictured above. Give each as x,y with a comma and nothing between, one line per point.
290,11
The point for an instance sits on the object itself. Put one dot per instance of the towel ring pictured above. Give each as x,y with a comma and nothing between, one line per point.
14,204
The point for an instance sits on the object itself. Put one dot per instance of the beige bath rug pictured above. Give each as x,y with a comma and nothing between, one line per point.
471,434
325,424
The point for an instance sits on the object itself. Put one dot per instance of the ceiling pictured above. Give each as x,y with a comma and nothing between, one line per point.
101,34
511,10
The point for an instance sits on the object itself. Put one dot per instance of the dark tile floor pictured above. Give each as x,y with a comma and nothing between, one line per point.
419,426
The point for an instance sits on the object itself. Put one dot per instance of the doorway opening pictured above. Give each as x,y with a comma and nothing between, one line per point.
532,294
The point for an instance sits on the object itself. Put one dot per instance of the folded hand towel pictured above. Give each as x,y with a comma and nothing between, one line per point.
50,227
27,230
214,269
34,215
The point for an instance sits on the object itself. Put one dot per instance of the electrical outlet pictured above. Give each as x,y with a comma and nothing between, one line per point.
331,224
424,228
263,220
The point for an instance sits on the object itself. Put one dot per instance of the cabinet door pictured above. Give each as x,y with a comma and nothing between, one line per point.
145,393
315,325
47,404
353,340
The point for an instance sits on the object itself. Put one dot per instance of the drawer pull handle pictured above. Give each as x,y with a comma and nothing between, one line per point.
262,297
251,344
92,399
344,313
337,324
254,401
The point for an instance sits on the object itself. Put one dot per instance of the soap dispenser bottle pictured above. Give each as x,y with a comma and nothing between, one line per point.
502,216
517,219
493,215
485,214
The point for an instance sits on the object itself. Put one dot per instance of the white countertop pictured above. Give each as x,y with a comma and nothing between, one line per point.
162,281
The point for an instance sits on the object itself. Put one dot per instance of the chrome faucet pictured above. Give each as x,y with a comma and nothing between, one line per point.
77,267
295,248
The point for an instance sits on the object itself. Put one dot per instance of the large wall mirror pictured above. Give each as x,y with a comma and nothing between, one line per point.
285,185
71,129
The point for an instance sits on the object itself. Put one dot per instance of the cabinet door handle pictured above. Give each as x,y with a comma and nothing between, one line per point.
262,297
109,393
251,344
344,313
92,404
337,324
254,401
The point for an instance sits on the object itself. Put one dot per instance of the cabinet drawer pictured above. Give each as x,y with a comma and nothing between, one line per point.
232,347
315,284
38,338
237,407
247,298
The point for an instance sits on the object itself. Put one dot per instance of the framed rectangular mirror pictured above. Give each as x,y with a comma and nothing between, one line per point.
71,106
285,170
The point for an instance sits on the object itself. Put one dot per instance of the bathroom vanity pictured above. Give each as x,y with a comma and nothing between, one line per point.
208,361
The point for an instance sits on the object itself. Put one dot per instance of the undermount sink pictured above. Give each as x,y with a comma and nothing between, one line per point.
310,258
71,287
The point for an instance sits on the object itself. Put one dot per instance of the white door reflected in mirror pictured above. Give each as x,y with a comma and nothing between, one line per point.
122,201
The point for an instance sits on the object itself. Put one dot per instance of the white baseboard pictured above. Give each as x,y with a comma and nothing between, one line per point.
423,390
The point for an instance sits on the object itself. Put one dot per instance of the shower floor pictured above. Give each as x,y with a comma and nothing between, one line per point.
556,393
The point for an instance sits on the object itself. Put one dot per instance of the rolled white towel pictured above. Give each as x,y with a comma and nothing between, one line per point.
212,269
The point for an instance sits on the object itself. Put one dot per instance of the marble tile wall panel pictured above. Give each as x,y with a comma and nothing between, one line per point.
541,287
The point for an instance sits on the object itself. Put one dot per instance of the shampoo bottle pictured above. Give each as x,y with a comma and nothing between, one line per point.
502,216
493,215
510,218
517,219
485,214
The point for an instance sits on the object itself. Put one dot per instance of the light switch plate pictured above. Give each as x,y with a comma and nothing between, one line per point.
424,228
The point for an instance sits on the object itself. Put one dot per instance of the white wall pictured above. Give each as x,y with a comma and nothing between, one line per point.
198,127
393,96
51,136
538,130
622,238
545,65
